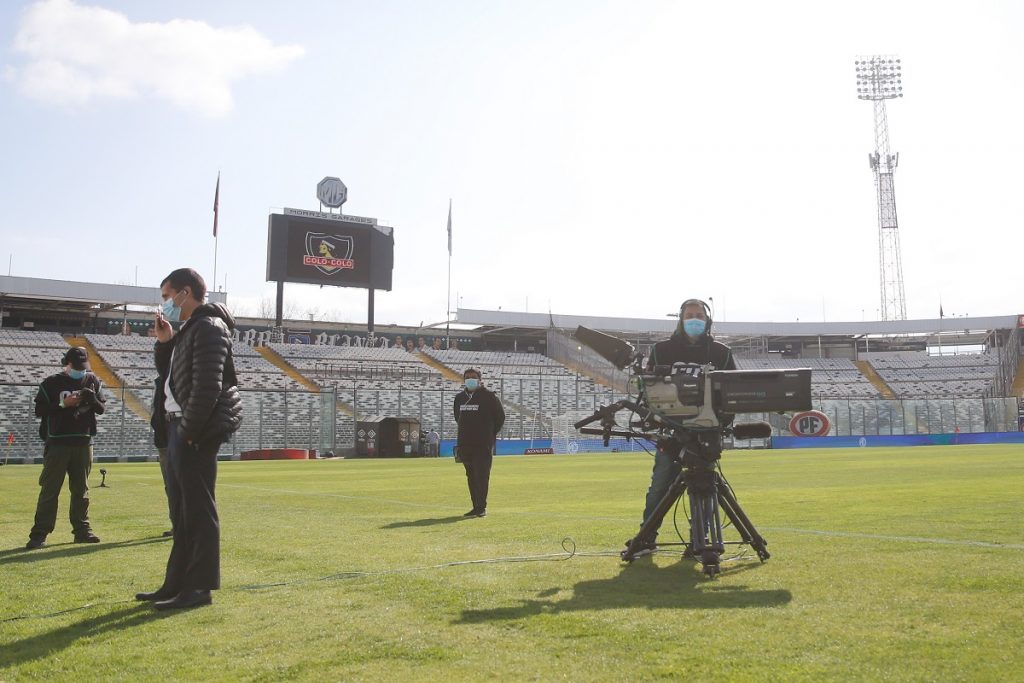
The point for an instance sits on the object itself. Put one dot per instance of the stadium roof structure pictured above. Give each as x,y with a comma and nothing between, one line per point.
78,297
966,331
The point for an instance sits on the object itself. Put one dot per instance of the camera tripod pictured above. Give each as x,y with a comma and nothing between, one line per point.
708,494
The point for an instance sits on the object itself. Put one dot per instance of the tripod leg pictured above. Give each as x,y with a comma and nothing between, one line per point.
740,520
705,523
654,521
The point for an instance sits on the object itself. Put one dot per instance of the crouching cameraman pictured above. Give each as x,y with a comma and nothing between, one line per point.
68,403
690,343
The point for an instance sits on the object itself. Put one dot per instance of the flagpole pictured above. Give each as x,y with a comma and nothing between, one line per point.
940,327
448,312
216,237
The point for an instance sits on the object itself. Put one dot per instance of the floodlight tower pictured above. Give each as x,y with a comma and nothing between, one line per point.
880,78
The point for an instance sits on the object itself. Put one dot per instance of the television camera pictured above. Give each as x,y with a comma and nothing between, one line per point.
86,401
687,409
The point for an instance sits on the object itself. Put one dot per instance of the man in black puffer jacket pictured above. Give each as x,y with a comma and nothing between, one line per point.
203,408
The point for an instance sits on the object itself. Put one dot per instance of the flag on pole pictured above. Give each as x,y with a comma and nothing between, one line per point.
216,204
940,311
449,227
10,438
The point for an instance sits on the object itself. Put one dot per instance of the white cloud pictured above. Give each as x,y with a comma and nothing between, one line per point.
76,54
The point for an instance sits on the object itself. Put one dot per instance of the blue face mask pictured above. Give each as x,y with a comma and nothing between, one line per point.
694,327
472,383
76,374
170,311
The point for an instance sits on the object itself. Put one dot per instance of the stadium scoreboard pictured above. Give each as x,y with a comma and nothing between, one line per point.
329,249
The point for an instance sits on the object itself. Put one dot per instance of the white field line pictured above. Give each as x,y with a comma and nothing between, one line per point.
812,532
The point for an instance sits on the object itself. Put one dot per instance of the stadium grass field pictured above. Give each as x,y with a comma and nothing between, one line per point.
887,564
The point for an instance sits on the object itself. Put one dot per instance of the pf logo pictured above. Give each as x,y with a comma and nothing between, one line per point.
331,192
810,423
329,253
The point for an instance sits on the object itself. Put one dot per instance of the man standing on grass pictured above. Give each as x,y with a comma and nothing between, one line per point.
203,408
433,443
480,417
68,403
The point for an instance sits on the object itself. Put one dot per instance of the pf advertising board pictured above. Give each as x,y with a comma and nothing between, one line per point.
810,423
321,251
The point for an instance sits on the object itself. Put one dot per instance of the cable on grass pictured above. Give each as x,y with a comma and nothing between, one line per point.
63,611
568,546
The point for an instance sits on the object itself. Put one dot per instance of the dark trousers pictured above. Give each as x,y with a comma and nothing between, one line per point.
477,461
76,463
666,469
194,563
165,472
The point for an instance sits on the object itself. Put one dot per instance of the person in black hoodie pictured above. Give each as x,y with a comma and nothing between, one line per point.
67,403
202,408
480,417
690,343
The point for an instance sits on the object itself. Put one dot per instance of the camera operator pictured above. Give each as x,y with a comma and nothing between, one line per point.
68,403
690,343
480,416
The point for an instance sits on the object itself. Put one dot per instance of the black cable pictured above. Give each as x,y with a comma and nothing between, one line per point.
568,546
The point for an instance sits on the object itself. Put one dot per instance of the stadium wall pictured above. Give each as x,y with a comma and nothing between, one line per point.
972,438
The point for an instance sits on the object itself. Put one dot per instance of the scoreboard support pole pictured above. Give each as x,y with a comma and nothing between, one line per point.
369,318
279,316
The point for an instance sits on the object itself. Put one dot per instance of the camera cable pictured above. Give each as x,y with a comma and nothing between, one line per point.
569,551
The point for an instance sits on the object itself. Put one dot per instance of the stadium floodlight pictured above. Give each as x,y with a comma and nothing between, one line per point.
880,78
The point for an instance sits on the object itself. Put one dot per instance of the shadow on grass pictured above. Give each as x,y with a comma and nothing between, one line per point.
52,552
642,584
52,642
426,522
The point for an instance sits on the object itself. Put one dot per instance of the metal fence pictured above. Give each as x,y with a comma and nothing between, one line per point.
270,419
874,417
530,404
325,420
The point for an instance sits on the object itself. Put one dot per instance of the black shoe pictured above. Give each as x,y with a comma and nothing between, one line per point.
645,548
471,513
35,542
481,513
156,596
185,599
87,537
167,534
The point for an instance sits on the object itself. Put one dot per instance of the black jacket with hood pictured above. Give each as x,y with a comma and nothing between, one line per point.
680,348
480,417
202,372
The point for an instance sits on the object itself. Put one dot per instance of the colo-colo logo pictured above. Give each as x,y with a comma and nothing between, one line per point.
329,253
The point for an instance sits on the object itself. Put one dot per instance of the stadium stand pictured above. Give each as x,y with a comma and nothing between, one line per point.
918,375
286,387
830,377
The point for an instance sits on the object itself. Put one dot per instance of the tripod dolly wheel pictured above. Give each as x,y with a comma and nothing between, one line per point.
710,559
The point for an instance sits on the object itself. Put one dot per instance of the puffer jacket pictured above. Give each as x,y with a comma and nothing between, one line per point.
203,380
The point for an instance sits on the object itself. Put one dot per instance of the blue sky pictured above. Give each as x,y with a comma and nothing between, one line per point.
605,158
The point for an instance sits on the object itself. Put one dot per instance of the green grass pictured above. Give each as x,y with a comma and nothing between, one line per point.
887,564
